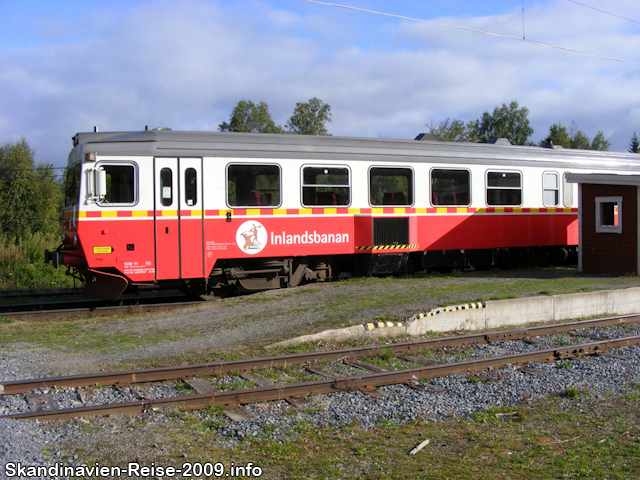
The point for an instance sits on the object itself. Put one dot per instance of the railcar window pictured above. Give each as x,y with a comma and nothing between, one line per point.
550,189
391,186
450,187
253,185
325,186
190,187
166,187
567,192
504,188
72,185
121,184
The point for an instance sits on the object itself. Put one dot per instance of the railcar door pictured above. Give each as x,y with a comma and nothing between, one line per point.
179,218
191,218
167,224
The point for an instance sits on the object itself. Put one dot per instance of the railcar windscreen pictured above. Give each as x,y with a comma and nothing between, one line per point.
72,185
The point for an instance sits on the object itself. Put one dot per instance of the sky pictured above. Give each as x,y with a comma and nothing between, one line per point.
67,66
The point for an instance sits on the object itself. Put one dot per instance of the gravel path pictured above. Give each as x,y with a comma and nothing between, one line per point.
270,317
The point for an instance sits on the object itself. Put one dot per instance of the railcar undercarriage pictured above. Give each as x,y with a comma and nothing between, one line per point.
230,276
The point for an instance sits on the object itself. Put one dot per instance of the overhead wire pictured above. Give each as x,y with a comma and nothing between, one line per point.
603,11
475,30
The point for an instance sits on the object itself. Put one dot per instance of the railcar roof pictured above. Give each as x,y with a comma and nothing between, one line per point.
168,143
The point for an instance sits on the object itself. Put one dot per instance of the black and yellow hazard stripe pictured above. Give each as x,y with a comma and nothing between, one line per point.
386,247
466,306
373,326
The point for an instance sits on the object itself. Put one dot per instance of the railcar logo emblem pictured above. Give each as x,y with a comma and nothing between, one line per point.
251,237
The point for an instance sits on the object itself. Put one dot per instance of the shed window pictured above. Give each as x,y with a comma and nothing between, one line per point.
391,186
253,185
325,186
608,214
504,188
450,187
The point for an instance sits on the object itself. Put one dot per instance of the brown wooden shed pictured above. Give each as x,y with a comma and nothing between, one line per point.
609,223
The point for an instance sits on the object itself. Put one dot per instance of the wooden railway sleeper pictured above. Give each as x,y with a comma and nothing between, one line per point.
168,373
372,380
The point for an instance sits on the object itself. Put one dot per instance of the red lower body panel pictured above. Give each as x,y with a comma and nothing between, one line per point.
496,231
191,247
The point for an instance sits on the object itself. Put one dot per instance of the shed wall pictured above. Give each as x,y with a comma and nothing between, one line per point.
614,253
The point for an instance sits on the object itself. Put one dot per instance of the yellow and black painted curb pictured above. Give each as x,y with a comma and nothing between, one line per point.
466,306
386,247
373,326
430,313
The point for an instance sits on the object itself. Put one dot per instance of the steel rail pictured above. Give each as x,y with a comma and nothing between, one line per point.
40,292
371,380
92,310
129,377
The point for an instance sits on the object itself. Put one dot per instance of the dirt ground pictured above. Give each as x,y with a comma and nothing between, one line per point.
250,321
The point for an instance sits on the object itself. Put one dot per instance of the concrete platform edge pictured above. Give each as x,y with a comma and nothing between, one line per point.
494,314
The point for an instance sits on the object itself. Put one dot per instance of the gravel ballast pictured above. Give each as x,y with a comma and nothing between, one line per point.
454,396
76,441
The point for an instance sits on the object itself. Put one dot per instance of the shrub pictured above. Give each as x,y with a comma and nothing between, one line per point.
22,263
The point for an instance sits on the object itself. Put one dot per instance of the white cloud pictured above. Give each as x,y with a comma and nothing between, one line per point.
185,65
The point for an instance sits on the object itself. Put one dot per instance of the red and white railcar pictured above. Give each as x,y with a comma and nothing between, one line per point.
206,211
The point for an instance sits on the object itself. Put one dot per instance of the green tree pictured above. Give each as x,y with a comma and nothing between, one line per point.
30,197
249,117
558,136
309,118
600,143
510,122
452,130
634,146
580,141
49,199
574,138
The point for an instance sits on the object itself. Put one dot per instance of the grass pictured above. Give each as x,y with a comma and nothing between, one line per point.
572,392
584,438
540,445
81,334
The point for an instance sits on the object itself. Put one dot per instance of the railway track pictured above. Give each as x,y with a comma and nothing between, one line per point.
367,376
35,308
39,292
